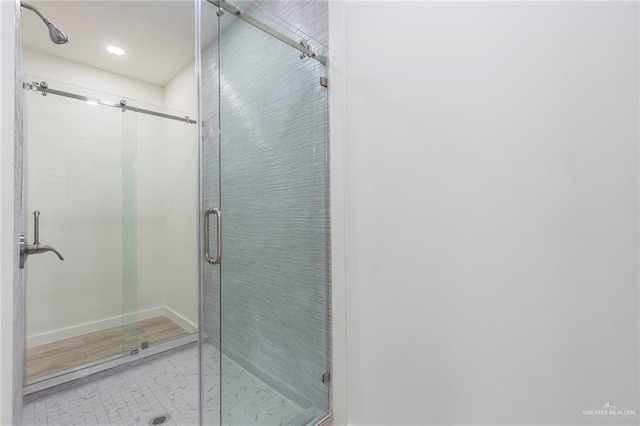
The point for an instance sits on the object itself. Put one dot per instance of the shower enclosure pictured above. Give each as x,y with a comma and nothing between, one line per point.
265,320
94,191
99,189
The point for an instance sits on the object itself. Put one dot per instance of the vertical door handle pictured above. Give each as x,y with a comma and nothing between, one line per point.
207,255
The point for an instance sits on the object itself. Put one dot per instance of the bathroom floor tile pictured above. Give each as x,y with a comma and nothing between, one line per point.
167,385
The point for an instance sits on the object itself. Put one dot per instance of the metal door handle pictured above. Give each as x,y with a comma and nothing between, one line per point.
207,255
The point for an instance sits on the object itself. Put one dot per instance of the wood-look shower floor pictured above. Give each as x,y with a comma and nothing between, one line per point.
68,354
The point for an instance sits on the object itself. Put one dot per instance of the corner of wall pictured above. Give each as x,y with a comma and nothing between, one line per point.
339,248
10,353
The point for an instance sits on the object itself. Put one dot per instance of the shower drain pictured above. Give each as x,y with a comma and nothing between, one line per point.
159,420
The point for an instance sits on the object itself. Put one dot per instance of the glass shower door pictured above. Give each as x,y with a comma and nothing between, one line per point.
80,177
209,377
273,182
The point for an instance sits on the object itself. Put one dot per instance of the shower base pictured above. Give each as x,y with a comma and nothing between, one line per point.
52,359
168,384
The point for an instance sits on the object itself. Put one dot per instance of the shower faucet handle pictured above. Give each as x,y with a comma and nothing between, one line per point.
36,227
36,247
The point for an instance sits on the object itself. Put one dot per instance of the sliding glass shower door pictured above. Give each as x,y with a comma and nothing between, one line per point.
101,172
265,190
79,197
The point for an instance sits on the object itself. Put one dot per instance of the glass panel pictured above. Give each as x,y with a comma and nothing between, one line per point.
274,199
167,260
78,167
129,229
210,198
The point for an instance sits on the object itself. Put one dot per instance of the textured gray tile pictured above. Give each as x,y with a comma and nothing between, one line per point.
270,160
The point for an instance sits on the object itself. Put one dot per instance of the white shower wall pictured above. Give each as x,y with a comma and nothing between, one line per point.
180,266
166,213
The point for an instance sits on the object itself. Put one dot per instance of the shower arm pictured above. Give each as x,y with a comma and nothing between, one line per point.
36,11
55,34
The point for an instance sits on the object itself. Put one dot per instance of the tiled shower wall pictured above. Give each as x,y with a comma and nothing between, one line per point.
275,201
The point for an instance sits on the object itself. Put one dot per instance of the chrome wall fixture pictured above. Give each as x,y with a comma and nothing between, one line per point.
43,87
302,45
36,248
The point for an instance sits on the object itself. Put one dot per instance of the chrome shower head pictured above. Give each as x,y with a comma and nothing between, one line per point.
55,34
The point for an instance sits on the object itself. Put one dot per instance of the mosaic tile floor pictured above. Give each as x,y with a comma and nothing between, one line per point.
169,385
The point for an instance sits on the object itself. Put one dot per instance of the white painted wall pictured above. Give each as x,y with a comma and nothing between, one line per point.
180,183
74,178
85,293
89,295
492,210
59,69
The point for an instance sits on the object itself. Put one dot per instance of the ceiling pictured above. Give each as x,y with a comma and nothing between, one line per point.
158,36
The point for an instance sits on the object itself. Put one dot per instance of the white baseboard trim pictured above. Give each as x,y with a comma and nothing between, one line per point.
180,320
90,327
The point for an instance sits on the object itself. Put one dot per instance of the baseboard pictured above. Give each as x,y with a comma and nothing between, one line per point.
90,327
180,320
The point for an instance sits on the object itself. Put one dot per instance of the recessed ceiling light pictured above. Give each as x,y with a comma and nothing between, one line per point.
115,50
94,103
